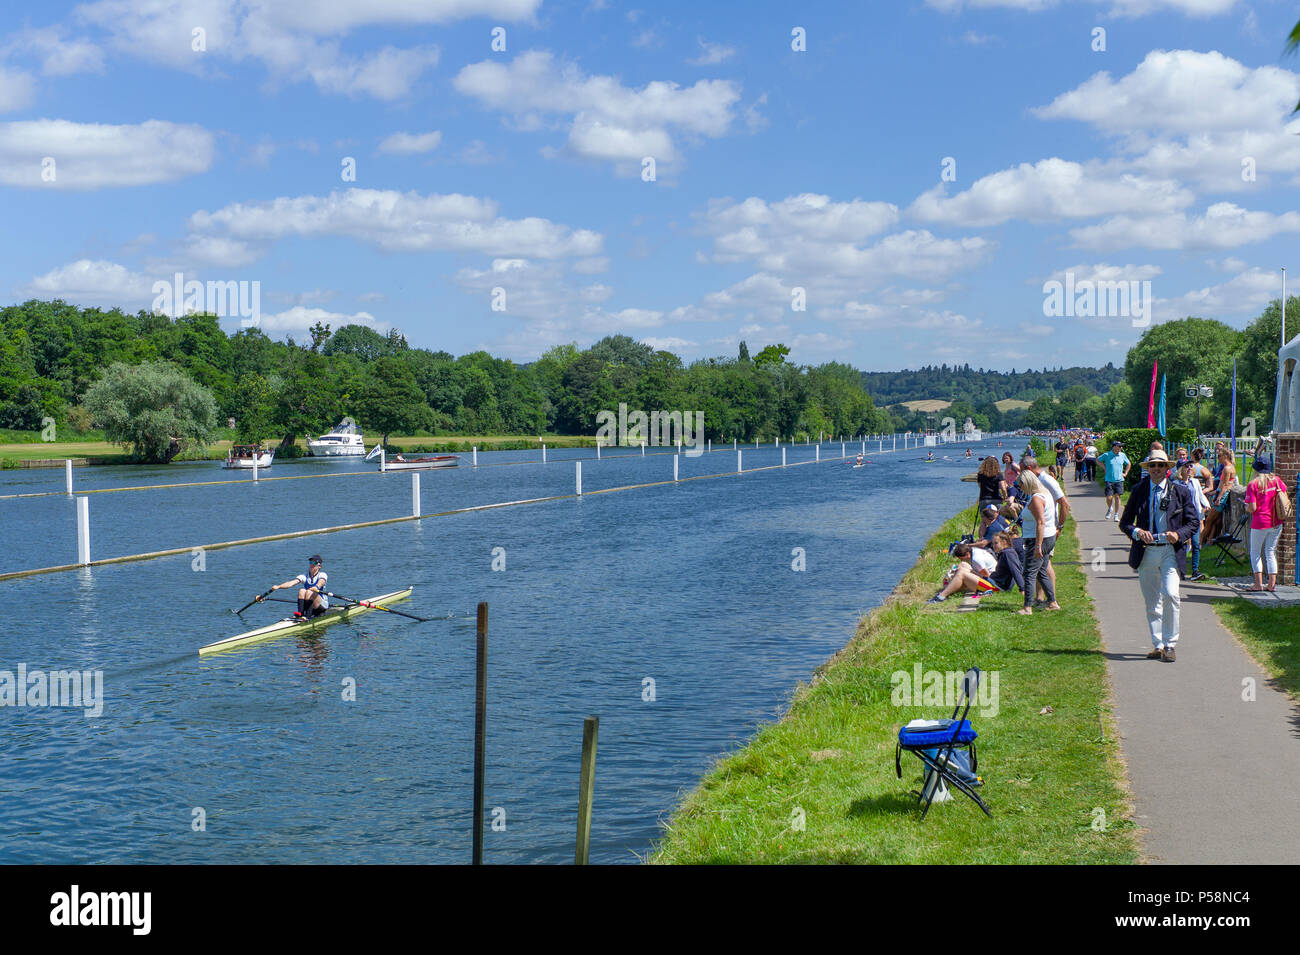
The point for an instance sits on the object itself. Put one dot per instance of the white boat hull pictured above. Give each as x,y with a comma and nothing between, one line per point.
289,626
240,464
330,450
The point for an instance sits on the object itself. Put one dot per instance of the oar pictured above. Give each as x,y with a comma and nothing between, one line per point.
374,606
250,603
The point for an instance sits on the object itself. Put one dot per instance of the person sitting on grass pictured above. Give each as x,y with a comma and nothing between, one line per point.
1010,567
969,574
990,523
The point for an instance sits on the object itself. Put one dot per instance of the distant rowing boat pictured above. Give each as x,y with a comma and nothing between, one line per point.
421,464
285,627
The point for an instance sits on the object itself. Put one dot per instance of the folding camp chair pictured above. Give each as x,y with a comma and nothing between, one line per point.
935,748
1226,542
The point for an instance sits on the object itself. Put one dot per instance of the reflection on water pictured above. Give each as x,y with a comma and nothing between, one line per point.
690,586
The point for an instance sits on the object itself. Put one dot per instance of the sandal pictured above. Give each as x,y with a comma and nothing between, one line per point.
1025,612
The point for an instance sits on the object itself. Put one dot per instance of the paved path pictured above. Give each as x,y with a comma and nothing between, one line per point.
1214,778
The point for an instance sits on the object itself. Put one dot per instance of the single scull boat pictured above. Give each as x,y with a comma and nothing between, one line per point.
288,626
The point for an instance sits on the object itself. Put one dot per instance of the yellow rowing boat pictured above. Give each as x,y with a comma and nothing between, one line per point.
285,627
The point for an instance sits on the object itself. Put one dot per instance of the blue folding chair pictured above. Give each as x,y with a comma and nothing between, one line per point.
936,748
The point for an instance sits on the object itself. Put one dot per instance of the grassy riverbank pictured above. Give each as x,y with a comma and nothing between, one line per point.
19,446
1048,777
1268,634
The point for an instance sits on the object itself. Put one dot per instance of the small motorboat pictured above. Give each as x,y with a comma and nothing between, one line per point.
400,462
343,441
242,456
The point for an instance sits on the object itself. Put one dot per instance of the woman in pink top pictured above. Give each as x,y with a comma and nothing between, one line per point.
1264,530
1010,471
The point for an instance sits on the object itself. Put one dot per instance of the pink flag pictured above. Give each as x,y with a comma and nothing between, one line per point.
1151,402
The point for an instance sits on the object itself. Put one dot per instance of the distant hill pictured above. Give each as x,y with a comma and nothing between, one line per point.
948,383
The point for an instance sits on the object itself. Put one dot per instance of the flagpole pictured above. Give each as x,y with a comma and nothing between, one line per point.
1284,306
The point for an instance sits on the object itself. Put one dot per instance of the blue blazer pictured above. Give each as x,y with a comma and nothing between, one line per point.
1180,517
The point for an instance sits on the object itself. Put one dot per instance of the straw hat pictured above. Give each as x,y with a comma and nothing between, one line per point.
1156,457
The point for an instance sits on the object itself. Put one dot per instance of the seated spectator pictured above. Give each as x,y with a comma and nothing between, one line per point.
1010,566
991,522
970,574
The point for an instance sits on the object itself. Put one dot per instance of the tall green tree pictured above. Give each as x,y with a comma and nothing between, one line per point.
153,409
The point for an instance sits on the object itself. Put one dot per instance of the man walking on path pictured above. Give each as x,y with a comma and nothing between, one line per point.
1117,465
1209,746
1160,517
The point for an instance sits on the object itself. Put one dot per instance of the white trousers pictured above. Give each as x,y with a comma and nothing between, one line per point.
1263,549
1158,576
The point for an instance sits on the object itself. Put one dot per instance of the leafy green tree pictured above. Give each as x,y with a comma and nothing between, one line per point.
390,400
771,355
1042,415
1190,352
359,340
253,408
153,409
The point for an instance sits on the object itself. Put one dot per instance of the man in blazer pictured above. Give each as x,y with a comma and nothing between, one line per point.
1160,517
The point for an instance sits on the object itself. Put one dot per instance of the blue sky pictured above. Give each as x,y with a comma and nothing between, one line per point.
522,168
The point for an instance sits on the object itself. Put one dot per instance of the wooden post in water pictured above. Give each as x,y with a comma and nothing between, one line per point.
67,473
586,785
578,475
480,730
83,530
415,493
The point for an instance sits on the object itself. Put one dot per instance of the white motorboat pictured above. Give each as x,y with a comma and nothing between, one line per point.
343,441
243,455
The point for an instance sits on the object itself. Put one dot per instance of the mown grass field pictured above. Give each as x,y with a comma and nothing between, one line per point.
1269,634
35,449
1050,779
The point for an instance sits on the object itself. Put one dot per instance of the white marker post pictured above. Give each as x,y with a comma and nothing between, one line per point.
254,464
476,455
676,459
819,452
843,452
598,449
734,445
83,531
578,476
738,454
415,493
783,457
67,474
382,461
543,454
642,449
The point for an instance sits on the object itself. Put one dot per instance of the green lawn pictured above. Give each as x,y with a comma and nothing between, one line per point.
1047,777
1269,634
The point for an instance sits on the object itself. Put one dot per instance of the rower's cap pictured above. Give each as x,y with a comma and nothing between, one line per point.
314,559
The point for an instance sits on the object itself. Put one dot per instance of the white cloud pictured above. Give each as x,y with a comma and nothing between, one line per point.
1224,226
297,320
593,266
1196,116
17,89
219,251
59,56
294,41
94,282
407,143
97,155
711,53
401,222
1103,272
1047,191
608,121
1247,293
670,343
1118,8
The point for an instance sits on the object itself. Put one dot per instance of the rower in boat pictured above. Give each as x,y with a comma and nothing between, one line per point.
312,598
859,463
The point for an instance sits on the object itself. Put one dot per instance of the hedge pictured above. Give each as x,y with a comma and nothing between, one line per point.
1137,442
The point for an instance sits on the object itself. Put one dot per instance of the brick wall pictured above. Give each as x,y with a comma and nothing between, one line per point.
1287,467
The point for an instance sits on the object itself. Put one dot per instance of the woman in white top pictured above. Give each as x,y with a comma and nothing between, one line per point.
1039,522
